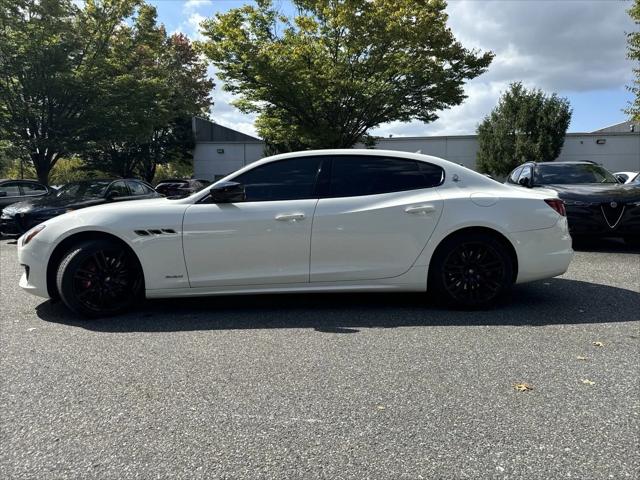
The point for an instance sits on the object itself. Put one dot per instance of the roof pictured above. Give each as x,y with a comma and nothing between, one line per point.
623,127
208,131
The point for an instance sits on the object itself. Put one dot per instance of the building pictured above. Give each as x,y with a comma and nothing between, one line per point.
220,150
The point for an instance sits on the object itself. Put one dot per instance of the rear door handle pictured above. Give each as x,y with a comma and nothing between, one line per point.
420,209
289,217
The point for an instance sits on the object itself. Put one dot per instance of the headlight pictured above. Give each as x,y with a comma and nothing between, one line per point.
27,237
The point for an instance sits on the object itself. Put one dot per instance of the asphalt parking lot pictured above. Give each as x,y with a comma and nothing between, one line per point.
329,386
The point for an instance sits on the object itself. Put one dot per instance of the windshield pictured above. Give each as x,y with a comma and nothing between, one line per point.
95,189
569,174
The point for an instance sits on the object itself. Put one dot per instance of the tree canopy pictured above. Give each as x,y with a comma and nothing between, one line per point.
634,55
102,80
526,125
337,68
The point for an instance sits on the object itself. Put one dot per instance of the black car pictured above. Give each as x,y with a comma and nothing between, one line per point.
179,187
597,204
12,191
20,217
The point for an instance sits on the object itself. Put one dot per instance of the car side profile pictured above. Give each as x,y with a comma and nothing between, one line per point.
313,221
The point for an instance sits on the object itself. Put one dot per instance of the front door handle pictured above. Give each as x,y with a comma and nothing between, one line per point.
289,217
420,209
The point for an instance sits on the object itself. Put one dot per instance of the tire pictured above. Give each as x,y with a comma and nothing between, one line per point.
99,278
471,270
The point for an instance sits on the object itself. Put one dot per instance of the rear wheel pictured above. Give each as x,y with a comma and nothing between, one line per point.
471,270
99,278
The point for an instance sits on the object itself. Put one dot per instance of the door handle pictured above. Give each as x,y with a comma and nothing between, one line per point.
420,209
289,217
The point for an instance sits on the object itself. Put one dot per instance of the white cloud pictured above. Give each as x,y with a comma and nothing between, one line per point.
191,5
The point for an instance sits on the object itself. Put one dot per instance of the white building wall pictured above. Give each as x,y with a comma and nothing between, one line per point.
619,152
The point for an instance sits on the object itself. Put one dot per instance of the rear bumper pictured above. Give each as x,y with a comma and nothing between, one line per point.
543,253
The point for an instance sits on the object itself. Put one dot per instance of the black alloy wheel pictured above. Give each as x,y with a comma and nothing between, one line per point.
99,278
472,270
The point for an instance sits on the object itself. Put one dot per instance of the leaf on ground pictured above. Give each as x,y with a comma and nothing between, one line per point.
381,407
522,387
586,381
598,344
580,357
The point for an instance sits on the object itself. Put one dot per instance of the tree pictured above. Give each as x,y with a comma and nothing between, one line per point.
339,68
154,85
51,58
633,39
527,125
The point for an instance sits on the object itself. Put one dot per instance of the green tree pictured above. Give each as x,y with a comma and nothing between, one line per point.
51,60
527,125
154,85
633,39
338,68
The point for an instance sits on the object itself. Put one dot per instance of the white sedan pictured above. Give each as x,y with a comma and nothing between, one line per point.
314,221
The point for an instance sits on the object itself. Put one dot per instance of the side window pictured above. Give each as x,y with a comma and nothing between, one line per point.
369,175
33,189
513,178
11,189
119,189
137,188
292,179
526,173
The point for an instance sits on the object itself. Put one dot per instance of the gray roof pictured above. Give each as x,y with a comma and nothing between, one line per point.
208,131
624,127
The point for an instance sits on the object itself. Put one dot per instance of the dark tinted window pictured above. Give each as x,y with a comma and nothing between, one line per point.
11,189
362,175
292,179
138,188
526,173
568,173
119,189
33,189
513,178
89,189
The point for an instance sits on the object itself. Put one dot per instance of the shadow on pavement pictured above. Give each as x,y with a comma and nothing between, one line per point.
555,301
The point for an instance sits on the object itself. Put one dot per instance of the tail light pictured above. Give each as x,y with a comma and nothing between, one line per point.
557,205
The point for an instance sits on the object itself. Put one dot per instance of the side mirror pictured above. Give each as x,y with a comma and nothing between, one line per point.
525,182
3,194
227,192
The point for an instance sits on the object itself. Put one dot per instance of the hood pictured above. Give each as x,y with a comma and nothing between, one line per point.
598,193
50,202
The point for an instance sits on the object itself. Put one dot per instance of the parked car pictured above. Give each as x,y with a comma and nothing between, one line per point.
180,187
313,221
12,191
20,217
626,177
597,203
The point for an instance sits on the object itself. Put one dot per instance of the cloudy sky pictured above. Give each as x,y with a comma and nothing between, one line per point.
576,48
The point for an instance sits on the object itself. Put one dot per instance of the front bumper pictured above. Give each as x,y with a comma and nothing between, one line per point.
33,258
590,220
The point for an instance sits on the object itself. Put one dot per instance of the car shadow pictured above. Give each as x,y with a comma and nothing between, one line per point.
550,302
604,245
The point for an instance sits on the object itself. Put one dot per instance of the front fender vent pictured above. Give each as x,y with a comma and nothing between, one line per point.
155,231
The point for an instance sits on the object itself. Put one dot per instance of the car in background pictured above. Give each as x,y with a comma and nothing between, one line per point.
597,204
180,187
626,177
13,191
20,217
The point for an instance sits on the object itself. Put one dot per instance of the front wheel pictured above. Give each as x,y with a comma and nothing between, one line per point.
99,278
471,270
